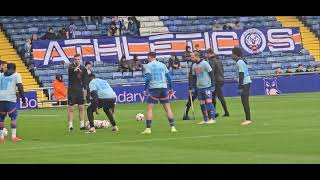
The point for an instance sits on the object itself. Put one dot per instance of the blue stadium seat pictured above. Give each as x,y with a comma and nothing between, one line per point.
127,75
275,65
33,30
137,74
107,75
271,59
91,27
86,33
117,75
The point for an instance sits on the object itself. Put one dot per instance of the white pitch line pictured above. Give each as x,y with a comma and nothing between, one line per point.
160,139
40,115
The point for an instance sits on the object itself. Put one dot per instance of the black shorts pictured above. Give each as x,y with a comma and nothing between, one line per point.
108,103
75,97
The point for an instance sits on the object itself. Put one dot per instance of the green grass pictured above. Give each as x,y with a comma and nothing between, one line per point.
286,129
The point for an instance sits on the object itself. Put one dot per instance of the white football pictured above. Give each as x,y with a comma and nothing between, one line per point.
105,124
5,132
139,117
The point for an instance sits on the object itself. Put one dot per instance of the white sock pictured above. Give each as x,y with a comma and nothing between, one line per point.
1,134
81,123
70,124
14,133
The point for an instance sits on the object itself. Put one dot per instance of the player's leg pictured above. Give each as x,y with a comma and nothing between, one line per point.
13,114
149,119
211,111
108,108
164,100
71,102
204,111
168,109
153,99
80,102
186,112
209,105
219,93
70,117
202,97
90,111
245,103
3,114
214,96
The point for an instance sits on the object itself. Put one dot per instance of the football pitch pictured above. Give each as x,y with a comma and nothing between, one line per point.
285,129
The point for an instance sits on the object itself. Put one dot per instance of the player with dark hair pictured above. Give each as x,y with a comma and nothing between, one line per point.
203,83
104,97
9,81
157,75
218,70
77,90
244,82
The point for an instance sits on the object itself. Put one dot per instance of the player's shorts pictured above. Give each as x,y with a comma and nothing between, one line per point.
108,103
8,108
204,94
75,97
158,95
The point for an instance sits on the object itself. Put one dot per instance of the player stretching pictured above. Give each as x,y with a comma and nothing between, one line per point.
204,85
104,97
244,83
9,80
156,75
76,90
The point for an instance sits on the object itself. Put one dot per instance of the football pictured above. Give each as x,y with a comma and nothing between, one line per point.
139,117
5,132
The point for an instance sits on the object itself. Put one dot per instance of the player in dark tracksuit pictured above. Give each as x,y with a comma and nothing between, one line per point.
217,66
194,96
77,90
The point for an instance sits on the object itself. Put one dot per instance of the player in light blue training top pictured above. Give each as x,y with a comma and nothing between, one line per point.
244,83
157,75
104,97
9,81
203,84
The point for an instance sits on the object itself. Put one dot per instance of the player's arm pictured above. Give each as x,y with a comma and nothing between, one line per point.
84,79
212,79
94,94
209,68
241,75
71,69
193,79
190,80
148,78
20,89
169,79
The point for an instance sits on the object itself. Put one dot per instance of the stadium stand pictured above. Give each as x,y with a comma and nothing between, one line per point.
18,28
309,39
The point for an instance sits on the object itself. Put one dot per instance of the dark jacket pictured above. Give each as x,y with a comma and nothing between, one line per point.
49,36
77,79
217,68
190,78
174,62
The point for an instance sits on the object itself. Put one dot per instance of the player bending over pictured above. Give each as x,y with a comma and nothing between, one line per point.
204,85
157,75
104,97
9,81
